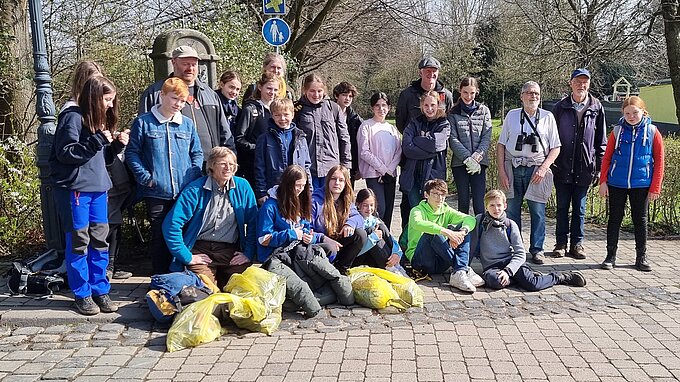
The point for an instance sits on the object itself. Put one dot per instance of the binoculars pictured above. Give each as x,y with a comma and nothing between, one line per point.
527,139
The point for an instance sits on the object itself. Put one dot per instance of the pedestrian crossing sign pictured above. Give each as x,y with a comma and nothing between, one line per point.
273,7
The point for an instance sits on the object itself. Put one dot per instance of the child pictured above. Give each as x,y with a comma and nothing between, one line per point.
164,154
282,145
344,94
252,123
383,250
496,239
230,88
79,172
424,147
438,238
632,167
325,127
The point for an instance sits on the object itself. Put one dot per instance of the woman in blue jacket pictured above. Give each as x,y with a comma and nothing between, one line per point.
79,172
164,154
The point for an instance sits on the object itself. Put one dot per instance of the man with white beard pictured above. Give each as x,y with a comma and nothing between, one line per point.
527,147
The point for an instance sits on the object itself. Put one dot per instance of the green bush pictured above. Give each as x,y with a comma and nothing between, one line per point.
20,214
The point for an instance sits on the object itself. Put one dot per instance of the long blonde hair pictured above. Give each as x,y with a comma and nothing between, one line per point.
335,216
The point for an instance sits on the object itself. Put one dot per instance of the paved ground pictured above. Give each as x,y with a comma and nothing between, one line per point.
623,326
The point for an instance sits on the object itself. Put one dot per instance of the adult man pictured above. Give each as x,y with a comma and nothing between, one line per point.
583,133
408,105
211,228
527,146
202,107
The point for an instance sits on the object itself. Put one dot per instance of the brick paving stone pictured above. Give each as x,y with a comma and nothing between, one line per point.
21,378
35,368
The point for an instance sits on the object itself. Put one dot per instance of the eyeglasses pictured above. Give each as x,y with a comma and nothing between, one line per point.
226,164
437,195
533,94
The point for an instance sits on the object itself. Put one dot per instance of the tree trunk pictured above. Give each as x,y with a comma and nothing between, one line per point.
16,87
671,21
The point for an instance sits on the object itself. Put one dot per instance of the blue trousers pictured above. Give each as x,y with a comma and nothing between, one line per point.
434,254
570,195
466,182
525,278
521,179
87,252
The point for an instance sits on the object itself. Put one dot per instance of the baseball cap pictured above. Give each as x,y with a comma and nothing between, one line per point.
580,72
429,62
184,51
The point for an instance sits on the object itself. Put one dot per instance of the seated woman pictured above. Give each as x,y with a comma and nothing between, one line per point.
287,246
211,228
336,217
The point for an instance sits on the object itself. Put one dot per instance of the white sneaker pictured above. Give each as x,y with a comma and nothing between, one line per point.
474,278
460,281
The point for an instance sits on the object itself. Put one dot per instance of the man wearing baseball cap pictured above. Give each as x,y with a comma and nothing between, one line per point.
582,130
408,105
202,106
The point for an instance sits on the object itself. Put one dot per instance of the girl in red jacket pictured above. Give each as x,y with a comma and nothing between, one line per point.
632,168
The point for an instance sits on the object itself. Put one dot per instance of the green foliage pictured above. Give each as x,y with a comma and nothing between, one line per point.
20,215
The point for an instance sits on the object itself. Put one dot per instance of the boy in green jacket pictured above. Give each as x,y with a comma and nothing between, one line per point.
438,238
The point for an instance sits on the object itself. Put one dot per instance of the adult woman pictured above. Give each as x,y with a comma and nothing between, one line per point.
252,122
379,155
286,244
336,217
275,64
470,139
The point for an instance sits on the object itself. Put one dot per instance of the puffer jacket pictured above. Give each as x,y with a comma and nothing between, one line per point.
582,146
163,157
272,156
217,131
469,134
327,137
408,105
424,148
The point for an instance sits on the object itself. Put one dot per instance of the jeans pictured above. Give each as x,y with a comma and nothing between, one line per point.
465,182
639,204
570,195
434,254
384,192
156,209
409,200
521,179
525,278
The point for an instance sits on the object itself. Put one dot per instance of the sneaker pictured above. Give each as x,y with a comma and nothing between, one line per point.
109,275
105,304
397,270
577,252
538,258
460,281
572,279
121,275
560,250
474,278
86,306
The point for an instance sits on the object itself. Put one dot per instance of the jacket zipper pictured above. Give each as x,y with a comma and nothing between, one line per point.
172,178
630,162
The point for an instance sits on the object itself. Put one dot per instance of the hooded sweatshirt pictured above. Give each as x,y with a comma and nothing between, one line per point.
423,219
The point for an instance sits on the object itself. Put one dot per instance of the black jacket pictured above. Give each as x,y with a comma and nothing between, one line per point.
408,105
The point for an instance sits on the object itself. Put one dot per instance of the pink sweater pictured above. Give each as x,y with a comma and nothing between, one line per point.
379,149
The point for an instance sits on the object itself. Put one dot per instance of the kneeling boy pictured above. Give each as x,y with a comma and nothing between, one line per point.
498,242
438,238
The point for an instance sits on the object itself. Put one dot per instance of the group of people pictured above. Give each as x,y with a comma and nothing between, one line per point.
271,181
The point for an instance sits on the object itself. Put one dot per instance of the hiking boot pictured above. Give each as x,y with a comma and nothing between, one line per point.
641,263
86,306
538,258
474,278
577,252
121,275
105,303
560,250
609,262
573,278
460,281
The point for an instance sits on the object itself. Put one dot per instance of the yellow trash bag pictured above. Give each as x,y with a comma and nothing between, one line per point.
406,288
263,293
196,324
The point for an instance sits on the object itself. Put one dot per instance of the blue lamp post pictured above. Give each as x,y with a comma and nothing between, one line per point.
44,106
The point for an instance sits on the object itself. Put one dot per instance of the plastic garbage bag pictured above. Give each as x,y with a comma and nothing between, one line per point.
263,293
196,324
378,288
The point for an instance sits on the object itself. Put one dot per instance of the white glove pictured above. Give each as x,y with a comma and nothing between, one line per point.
472,166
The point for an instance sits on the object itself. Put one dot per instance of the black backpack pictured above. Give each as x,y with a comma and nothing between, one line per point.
41,275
